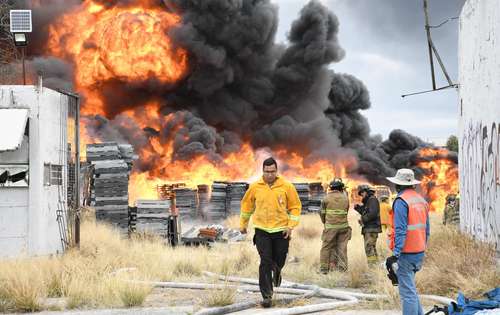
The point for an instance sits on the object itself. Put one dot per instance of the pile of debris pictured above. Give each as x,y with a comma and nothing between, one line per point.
317,193
111,164
208,235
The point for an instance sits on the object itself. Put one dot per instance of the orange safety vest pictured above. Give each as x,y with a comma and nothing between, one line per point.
418,211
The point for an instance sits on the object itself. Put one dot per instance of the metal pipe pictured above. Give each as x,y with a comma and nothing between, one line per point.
77,173
24,67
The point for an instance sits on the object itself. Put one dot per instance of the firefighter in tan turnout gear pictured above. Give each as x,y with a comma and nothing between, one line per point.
336,233
451,215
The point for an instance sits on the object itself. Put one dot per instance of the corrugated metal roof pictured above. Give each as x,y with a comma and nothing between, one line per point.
12,125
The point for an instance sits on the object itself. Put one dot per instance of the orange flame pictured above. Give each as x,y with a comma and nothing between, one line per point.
441,177
124,43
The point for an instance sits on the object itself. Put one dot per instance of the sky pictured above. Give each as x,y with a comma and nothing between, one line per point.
386,47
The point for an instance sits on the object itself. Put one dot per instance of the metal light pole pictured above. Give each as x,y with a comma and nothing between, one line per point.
20,24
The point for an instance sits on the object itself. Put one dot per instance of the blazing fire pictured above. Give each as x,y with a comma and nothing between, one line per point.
128,44
441,176
243,165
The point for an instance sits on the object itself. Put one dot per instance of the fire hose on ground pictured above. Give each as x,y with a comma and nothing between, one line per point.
298,291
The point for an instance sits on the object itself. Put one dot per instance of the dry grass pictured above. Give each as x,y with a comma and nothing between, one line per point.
220,297
132,294
20,291
457,262
308,232
87,278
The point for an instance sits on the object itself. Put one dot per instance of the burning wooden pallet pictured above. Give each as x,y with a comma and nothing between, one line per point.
166,191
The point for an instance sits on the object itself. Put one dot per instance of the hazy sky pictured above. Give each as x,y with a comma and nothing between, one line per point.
386,48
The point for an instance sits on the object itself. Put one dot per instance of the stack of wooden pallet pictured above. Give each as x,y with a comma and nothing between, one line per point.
152,217
316,196
109,183
186,202
203,199
303,191
235,193
217,205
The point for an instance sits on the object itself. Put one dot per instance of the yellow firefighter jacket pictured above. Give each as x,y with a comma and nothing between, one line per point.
273,208
385,213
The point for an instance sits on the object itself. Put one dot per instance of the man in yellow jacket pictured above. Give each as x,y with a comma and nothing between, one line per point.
275,206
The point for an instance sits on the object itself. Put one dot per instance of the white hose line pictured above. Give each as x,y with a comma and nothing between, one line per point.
227,309
301,290
327,293
311,308
246,305
436,298
209,286
333,293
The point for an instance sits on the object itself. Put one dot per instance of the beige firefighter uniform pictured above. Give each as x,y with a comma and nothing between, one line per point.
451,215
336,233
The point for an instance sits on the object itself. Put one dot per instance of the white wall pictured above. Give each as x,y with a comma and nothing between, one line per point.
13,221
37,208
479,108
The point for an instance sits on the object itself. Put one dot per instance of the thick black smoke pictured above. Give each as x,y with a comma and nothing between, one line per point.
243,87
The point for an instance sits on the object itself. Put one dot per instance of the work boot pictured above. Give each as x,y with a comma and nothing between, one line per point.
266,303
276,278
323,271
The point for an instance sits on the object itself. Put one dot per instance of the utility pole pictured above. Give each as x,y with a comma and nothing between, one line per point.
433,53
432,49
428,31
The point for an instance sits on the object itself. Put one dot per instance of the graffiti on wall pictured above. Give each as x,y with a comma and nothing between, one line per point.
480,181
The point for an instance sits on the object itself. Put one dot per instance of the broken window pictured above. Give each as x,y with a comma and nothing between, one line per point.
14,147
14,176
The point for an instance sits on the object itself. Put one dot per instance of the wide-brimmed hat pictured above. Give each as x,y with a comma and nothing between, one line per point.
404,177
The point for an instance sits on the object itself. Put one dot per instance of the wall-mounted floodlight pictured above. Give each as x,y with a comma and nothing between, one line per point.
20,39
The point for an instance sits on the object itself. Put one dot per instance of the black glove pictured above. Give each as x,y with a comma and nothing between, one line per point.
391,264
360,209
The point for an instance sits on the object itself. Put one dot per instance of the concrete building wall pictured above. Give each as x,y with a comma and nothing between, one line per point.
31,227
52,149
479,110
